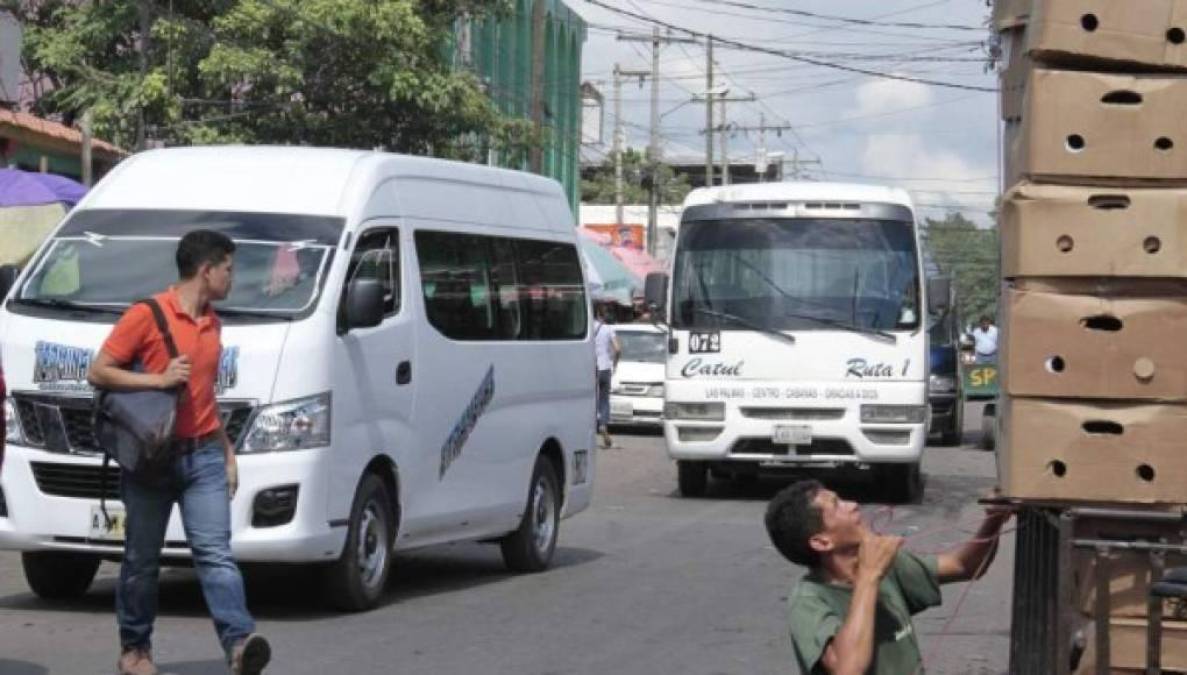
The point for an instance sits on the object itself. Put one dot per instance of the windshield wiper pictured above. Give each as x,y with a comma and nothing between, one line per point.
69,306
251,314
843,325
852,327
745,323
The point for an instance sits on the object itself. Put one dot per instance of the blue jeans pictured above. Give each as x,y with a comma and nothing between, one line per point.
199,486
603,398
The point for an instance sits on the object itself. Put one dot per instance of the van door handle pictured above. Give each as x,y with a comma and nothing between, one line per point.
404,372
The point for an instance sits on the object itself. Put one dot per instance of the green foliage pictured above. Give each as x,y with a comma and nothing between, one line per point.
348,73
969,255
600,188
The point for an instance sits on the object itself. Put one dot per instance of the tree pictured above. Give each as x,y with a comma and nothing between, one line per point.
635,182
969,255
349,73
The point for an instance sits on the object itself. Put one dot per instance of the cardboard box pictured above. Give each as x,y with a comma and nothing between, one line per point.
1092,451
1015,70
1137,34
1102,129
1054,231
1091,347
1129,576
1127,646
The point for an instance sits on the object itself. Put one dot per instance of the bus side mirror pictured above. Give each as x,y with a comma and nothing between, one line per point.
939,291
8,274
655,292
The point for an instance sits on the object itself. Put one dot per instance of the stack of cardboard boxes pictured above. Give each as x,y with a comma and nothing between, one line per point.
1094,256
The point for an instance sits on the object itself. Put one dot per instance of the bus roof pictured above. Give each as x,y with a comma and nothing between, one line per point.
798,192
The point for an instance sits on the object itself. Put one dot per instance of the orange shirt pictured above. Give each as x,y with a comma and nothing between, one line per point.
136,336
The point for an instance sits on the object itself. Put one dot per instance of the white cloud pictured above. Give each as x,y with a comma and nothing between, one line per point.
939,178
881,96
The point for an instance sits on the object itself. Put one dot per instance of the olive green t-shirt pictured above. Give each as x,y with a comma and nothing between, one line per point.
818,610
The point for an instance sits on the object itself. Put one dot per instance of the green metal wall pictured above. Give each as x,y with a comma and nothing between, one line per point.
501,54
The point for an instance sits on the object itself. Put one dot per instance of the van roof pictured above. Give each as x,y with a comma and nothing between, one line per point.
320,181
798,191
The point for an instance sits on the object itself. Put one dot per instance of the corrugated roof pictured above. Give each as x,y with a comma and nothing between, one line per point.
54,131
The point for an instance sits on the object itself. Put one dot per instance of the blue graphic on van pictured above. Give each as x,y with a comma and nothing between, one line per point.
63,367
452,447
55,363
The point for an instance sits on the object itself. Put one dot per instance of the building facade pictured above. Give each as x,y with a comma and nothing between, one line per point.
500,51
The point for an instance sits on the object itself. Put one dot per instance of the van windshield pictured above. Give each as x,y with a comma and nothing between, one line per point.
104,260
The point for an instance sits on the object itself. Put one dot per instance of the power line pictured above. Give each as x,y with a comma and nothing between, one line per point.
793,57
842,19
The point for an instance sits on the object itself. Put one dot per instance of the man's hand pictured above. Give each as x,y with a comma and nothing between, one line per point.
232,477
876,555
177,374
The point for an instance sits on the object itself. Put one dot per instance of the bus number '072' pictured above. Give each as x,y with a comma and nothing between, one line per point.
704,343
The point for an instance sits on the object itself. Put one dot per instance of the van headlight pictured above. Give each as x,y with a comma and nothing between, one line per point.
292,425
893,414
713,411
942,384
12,423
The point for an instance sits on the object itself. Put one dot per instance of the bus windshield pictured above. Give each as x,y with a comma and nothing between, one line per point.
796,274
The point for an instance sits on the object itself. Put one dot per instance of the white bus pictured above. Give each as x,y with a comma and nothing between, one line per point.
406,361
797,334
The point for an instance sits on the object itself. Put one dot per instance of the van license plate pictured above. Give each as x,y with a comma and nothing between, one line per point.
792,435
622,409
101,529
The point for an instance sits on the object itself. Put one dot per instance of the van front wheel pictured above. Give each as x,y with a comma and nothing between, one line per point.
59,575
530,547
356,581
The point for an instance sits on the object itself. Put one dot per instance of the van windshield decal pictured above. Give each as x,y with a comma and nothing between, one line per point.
58,367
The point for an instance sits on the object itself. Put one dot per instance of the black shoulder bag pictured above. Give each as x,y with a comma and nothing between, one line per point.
134,428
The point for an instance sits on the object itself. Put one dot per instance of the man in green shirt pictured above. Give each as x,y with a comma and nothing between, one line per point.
851,613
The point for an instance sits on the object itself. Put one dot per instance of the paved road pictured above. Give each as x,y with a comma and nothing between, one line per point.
645,582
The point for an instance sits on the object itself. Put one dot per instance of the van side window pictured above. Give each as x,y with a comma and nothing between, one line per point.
552,297
376,256
498,288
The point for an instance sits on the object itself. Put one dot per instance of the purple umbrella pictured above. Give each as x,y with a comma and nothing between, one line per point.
25,188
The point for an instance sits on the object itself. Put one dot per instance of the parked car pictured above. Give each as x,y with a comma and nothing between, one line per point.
637,388
945,387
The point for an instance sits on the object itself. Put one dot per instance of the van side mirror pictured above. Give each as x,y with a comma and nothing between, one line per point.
8,274
364,304
939,294
655,292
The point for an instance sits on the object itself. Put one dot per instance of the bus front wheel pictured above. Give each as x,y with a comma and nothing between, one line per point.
692,478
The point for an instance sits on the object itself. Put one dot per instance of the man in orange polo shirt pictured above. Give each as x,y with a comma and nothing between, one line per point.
205,473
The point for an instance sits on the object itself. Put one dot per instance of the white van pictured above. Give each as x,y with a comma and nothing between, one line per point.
406,360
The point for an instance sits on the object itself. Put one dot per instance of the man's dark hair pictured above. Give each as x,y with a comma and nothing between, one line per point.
201,246
793,518
985,319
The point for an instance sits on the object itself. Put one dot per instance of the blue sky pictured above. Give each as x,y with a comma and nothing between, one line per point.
940,143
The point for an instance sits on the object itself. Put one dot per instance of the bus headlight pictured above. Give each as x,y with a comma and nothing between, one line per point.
13,423
943,384
893,414
707,412
292,425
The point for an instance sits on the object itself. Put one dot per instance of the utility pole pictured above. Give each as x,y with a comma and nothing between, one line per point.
709,111
144,10
536,154
796,163
653,149
620,133
724,129
762,130
87,165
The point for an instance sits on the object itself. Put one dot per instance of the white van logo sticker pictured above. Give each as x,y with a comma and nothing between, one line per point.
64,368
452,447
61,367
228,369
700,367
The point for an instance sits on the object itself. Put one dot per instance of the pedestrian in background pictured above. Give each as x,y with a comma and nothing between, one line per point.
607,350
204,473
985,341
